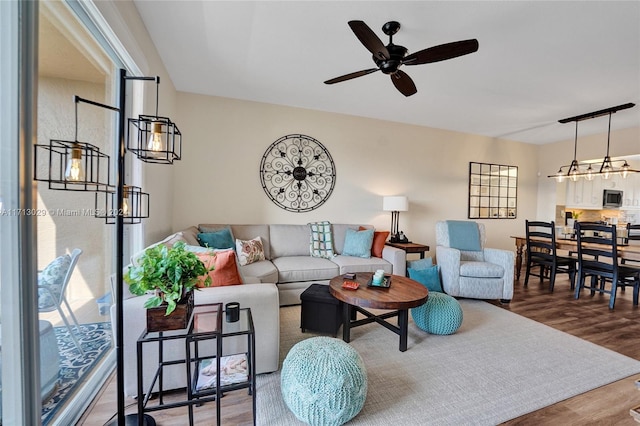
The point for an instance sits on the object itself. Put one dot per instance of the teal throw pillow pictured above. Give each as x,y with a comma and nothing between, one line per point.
430,278
220,239
420,264
358,243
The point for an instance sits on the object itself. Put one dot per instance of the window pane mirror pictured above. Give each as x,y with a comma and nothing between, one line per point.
493,191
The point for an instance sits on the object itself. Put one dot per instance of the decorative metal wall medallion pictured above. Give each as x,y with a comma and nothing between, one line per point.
297,173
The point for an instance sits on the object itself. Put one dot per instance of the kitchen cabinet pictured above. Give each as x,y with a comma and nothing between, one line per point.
585,194
631,191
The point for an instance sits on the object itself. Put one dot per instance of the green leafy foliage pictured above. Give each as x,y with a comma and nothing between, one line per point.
170,272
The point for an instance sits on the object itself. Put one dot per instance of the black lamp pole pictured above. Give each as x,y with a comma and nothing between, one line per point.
120,251
120,175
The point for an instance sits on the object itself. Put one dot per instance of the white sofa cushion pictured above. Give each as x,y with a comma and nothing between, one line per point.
360,264
289,240
304,268
264,270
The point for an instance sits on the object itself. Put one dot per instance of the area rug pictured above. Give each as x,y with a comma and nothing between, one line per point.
95,340
498,366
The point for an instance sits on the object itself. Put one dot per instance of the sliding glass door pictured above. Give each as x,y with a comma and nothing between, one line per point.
56,348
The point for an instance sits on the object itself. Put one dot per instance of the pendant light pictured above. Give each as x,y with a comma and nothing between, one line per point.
573,171
607,168
135,205
72,165
154,139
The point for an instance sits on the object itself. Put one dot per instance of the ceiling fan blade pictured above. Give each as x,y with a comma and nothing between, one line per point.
369,39
441,52
350,76
403,83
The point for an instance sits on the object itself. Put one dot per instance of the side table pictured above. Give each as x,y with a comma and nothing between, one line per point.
206,328
410,248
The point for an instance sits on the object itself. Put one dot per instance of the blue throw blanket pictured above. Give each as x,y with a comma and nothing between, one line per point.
464,235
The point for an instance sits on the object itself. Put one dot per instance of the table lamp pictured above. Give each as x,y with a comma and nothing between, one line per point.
395,205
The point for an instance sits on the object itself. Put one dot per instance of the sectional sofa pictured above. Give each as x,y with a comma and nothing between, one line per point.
288,263
288,269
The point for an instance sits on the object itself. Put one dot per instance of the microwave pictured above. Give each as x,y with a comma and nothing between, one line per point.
611,198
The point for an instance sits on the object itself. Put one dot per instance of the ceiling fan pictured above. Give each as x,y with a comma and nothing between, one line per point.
389,58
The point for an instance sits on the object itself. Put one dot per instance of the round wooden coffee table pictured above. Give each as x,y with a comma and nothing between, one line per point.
404,293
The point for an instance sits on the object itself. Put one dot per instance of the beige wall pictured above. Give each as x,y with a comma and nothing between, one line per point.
218,181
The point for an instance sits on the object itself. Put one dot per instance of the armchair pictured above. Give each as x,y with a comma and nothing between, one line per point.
472,270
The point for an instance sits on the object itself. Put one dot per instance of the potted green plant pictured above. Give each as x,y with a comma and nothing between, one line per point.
172,273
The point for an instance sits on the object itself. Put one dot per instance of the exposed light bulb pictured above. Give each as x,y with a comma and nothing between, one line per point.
606,170
126,209
74,171
574,171
624,170
589,175
155,140
559,176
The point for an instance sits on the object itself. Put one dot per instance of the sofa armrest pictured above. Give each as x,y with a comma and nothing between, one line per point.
264,302
397,258
506,259
448,259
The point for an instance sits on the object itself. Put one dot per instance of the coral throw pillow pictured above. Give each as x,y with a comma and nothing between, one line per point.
226,270
379,238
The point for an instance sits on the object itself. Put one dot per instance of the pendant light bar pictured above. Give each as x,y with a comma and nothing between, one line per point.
607,168
595,114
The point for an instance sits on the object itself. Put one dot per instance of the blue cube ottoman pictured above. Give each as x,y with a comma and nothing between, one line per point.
324,381
441,314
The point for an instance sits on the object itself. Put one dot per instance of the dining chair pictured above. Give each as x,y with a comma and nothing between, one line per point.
633,234
598,259
52,285
542,253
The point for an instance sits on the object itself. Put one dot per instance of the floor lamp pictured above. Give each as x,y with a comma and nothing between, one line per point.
164,139
80,166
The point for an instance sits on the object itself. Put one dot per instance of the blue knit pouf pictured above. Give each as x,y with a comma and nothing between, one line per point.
441,314
323,381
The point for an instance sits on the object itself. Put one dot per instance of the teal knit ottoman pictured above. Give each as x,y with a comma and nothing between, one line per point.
441,314
323,381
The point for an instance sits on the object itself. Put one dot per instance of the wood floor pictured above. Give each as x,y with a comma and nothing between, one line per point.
588,318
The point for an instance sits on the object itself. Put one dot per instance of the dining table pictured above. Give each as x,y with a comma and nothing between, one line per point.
627,251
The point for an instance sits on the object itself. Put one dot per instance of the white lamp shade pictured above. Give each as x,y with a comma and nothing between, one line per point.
395,204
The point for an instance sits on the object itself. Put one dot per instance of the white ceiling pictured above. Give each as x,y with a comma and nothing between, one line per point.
538,61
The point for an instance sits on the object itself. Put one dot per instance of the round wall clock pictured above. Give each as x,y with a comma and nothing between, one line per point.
297,173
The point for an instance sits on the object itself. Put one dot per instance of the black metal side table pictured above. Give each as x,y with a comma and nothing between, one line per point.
203,337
